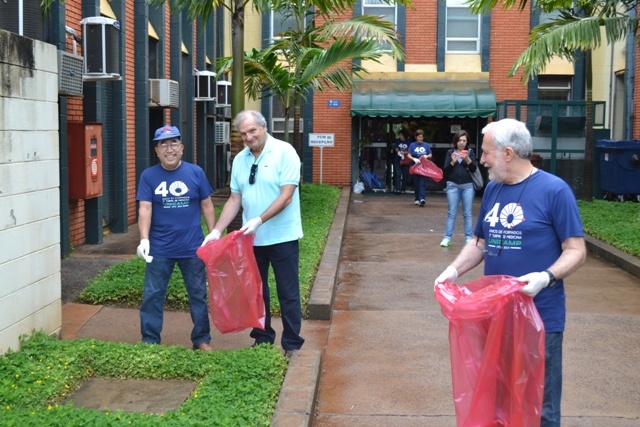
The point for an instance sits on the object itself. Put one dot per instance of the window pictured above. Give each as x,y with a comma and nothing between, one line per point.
277,121
153,58
548,17
463,28
281,21
379,8
554,88
387,11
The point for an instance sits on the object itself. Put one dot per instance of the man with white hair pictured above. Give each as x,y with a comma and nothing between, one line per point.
529,227
264,183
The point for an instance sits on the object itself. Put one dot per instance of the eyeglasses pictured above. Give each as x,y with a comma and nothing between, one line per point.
165,145
252,175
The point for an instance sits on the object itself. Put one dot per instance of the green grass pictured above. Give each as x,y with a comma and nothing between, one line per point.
615,223
234,388
122,284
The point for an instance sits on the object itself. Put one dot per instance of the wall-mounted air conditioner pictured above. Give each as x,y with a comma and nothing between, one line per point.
164,93
101,48
70,74
224,94
222,135
23,17
205,85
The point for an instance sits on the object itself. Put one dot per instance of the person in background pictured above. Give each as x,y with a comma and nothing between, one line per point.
459,162
400,172
264,183
173,196
528,227
419,149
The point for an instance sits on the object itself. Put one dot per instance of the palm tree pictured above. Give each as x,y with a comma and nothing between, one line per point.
313,57
576,30
204,9
299,9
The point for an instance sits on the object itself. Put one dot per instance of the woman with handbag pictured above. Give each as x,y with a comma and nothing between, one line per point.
459,165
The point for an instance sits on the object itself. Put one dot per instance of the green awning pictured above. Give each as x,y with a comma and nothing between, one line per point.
415,98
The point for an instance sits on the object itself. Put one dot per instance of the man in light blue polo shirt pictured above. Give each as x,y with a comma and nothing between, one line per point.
264,183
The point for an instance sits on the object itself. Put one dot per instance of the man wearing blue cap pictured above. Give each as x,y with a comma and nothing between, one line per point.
172,197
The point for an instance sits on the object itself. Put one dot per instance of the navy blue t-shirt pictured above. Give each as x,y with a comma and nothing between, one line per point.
418,150
524,226
175,196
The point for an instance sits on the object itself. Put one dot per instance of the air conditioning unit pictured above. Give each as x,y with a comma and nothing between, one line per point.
23,17
164,93
223,99
205,86
222,135
101,48
70,74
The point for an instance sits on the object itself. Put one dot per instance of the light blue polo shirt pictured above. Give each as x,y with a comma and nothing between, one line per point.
278,165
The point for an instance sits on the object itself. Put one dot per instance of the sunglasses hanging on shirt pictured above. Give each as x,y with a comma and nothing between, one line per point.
252,175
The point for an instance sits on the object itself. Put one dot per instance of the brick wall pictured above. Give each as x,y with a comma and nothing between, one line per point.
509,38
130,121
75,113
635,134
336,160
421,32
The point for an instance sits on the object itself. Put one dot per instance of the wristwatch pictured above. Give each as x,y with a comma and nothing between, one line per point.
552,278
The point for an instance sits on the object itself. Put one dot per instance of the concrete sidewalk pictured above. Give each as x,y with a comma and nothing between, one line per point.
383,358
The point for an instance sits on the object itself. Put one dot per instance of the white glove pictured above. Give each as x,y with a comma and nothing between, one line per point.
416,161
143,250
251,226
534,283
449,275
211,237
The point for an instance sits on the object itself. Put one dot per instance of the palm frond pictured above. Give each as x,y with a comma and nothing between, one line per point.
364,27
565,37
485,6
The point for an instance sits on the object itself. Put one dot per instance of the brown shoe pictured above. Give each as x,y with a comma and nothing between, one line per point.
204,346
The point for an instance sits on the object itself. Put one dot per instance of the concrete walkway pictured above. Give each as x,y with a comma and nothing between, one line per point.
383,357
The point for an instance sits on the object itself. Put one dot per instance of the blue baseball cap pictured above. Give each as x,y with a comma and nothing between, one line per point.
167,132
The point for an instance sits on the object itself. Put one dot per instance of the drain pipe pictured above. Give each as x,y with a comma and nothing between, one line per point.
630,78
20,17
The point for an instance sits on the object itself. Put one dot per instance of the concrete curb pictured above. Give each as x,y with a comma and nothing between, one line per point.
626,262
298,396
322,292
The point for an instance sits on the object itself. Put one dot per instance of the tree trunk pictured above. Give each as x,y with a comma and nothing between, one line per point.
297,113
237,74
587,174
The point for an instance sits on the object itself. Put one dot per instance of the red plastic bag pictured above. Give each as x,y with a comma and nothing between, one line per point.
235,286
427,168
406,160
496,339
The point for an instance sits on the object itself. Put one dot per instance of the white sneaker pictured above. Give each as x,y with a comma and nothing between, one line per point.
446,242
417,203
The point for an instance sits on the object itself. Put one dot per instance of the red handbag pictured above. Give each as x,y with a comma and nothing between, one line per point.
406,160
